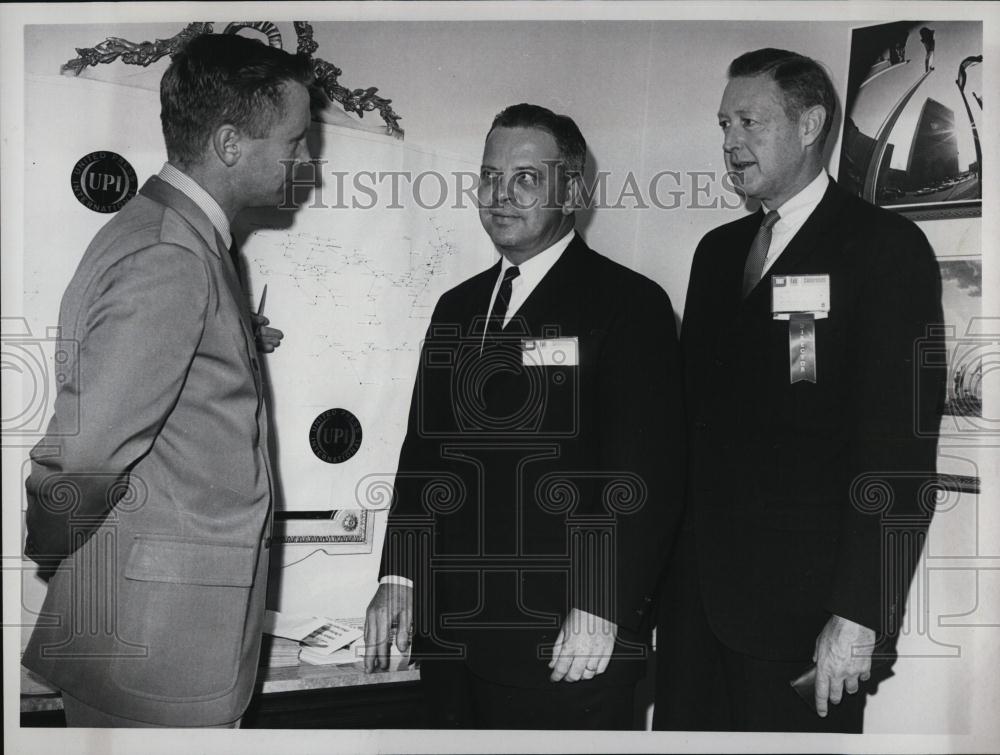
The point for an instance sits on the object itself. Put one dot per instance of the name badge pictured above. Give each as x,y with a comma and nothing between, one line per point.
799,294
801,299
550,352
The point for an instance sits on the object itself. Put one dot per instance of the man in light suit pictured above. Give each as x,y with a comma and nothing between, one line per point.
153,521
538,482
802,414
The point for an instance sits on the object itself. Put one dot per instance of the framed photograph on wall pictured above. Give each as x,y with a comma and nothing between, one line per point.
913,117
962,301
968,342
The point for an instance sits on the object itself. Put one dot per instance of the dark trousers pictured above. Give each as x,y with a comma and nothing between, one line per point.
703,685
458,699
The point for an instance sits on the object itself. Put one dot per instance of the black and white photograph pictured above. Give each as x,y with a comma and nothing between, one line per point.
500,377
914,112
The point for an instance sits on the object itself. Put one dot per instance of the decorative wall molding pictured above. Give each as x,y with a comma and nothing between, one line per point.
358,101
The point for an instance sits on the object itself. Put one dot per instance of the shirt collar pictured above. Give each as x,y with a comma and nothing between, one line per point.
206,203
536,267
803,203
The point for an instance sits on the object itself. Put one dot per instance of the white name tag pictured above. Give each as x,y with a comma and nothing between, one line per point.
798,294
550,352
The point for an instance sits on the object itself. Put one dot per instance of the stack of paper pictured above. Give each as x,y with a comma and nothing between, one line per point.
322,641
333,643
318,637
278,652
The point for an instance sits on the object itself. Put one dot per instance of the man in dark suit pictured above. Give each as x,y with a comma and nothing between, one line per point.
155,517
538,482
799,338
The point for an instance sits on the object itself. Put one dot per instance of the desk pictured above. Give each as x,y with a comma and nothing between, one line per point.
288,697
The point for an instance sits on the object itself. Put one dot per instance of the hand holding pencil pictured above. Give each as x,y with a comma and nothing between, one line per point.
268,339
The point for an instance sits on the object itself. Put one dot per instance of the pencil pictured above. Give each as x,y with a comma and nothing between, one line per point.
263,298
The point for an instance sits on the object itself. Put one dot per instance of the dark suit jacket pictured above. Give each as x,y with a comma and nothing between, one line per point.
163,496
525,491
794,489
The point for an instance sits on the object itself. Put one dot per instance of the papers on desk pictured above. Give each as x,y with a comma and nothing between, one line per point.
353,652
324,642
318,632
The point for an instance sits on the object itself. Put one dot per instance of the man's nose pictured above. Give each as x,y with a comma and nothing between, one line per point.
501,184
731,141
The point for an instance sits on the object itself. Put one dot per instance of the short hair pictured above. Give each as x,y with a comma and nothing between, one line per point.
803,81
224,78
572,146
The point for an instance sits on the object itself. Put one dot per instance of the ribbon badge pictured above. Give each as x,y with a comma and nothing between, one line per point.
802,347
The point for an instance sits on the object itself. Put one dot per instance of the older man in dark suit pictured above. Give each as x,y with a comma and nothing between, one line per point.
800,335
539,480
155,517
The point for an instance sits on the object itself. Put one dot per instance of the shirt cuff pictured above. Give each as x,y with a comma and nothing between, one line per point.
595,616
393,579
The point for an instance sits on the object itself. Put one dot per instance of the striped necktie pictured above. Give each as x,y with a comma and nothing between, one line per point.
758,253
495,324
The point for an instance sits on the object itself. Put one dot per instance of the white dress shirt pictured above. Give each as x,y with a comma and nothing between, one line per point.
793,215
531,273
206,203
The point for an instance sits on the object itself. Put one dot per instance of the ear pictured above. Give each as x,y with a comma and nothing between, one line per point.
571,202
226,143
811,124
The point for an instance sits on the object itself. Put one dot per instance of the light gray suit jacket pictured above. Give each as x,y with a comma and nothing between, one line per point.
163,498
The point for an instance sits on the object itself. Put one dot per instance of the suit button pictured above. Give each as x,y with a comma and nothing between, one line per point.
700,426
719,363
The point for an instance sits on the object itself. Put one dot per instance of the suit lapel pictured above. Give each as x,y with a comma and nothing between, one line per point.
561,291
479,300
160,191
739,249
813,236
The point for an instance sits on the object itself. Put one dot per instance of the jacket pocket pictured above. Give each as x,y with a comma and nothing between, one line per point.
185,600
165,558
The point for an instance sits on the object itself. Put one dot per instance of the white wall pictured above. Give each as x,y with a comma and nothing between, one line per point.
645,95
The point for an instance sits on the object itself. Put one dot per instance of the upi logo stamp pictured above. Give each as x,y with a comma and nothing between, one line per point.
103,181
335,436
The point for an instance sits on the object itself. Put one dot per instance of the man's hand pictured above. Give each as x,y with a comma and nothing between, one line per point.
583,647
843,659
268,339
391,604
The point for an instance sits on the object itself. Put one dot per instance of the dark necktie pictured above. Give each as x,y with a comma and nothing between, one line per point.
234,253
495,324
758,253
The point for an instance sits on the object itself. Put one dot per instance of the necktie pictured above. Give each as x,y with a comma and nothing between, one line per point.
495,324
758,253
234,253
